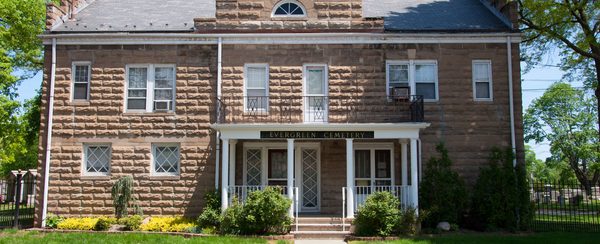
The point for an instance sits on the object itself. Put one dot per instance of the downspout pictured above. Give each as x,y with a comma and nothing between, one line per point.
218,139
49,135
511,99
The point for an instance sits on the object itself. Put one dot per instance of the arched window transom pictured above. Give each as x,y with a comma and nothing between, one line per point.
289,9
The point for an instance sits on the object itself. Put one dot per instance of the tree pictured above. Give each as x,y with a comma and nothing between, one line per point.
573,26
21,21
565,117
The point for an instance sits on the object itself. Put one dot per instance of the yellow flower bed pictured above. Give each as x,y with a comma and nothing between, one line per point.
167,224
85,223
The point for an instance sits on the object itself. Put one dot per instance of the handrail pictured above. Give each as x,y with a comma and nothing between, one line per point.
361,193
344,208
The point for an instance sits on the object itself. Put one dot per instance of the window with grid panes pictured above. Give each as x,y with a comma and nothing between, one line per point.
97,159
81,80
165,159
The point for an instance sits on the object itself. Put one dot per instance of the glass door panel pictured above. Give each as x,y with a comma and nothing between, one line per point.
277,168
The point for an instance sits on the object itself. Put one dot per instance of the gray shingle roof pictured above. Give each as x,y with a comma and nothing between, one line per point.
139,15
434,15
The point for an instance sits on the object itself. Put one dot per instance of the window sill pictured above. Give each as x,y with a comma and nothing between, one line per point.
483,100
165,177
80,103
290,18
157,114
95,177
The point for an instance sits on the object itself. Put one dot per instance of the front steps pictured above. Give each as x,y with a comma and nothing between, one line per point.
321,228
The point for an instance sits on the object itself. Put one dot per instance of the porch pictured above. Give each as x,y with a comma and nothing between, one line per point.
327,169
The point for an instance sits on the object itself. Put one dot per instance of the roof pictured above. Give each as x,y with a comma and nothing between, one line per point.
178,15
435,15
139,15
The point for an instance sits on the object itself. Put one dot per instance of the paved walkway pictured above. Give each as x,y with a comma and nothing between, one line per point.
319,242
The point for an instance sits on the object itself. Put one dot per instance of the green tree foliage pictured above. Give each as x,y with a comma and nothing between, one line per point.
572,26
21,21
379,216
123,197
500,197
443,194
565,117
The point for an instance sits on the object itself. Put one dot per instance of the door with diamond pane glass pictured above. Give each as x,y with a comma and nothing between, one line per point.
309,177
316,103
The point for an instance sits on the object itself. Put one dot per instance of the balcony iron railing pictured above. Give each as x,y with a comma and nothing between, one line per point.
319,109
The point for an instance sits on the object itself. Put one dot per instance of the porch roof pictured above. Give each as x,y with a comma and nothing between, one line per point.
380,130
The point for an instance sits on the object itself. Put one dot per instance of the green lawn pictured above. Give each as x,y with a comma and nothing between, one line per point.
542,238
587,205
33,237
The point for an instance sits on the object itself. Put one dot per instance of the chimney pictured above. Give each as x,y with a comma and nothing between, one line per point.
508,8
58,13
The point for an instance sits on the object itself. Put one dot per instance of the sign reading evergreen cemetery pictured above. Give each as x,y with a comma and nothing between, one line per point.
316,134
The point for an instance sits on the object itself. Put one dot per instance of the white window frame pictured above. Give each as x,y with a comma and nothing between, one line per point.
149,86
305,94
84,171
490,81
152,156
373,147
273,15
411,76
267,82
89,78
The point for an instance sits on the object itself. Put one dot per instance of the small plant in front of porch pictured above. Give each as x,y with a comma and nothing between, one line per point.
210,219
264,212
442,192
131,222
123,197
380,215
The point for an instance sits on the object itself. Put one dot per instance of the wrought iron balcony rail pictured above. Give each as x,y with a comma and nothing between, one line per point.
319,109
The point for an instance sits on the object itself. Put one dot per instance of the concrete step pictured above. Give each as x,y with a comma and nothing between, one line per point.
321,227
339,235
321,220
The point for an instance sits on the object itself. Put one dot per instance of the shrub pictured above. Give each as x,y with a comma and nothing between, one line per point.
52,220
104,223
378,216
209,218
501,195
409,222
132,222
211,214
232,219
167,224
442,192
85,223
264,212
123,197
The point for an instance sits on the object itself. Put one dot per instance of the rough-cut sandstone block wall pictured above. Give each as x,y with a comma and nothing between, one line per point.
468,128
103,120
330,15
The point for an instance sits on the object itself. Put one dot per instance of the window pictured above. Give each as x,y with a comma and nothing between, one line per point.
277,168
165,159
373,167
150,88
256,83
288,9
96,159
254,167
81,72
482,80
414,77
315,93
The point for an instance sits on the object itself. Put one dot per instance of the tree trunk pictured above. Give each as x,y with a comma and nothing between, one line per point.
597,93
581,175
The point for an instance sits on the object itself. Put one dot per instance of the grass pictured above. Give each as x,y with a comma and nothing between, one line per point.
588,219
586,205
542,238
33,237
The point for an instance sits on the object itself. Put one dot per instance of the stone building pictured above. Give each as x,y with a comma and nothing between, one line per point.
330,99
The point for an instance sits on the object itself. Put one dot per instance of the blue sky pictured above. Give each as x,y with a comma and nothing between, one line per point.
534,84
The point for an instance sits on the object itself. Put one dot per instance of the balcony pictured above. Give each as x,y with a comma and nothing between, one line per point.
319,109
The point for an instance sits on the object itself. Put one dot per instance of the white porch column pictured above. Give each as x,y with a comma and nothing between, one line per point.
414,180
404,161
290,173
233,161
225,175
350,178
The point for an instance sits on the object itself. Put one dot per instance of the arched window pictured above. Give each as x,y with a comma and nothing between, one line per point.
289,8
